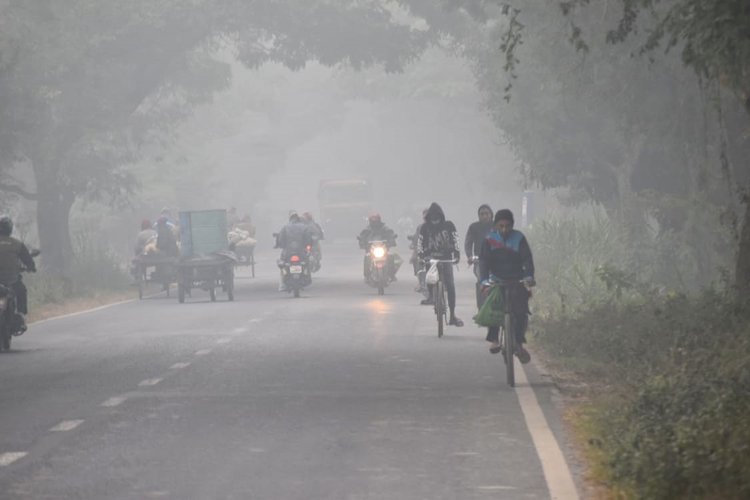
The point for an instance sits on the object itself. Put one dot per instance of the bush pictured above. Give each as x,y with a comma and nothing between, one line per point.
94,268
686,433
678,426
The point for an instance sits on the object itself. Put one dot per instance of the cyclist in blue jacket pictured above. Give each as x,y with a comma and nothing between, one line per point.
505,254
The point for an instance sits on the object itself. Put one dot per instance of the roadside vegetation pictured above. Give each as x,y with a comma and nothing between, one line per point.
660,370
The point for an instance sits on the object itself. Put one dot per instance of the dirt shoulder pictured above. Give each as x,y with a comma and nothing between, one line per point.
78,304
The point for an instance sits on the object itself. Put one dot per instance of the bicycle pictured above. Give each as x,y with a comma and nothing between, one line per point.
438,292
506,336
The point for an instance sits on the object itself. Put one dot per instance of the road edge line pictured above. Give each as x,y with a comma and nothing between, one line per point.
557,474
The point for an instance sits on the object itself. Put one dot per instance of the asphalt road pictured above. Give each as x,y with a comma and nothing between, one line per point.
340,394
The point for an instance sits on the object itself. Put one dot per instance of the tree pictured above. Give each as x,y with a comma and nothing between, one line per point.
95,80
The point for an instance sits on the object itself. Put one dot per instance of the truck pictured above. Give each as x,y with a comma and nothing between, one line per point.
344,205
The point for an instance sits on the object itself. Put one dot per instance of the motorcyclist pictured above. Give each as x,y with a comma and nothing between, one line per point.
376,230
13,255
317,234
475,235
438,239
293,238
505,254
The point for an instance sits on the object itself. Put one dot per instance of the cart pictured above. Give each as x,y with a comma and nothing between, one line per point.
206,261
245,257
162,271
208,273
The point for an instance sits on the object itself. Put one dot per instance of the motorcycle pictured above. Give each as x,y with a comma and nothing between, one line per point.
378,274
11,322
296,273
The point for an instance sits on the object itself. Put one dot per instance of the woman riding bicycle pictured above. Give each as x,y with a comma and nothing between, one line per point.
438,239
505,254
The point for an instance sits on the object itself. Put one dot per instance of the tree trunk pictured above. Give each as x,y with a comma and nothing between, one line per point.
53,222
742,269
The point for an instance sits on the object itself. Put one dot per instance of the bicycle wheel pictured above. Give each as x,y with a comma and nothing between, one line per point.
440,306
510,347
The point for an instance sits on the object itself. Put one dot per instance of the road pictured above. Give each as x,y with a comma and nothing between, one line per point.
340,394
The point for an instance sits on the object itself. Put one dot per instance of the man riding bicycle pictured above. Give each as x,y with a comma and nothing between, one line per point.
506,255
438,239
475,236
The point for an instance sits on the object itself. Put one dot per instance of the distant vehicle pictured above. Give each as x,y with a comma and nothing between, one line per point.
344,204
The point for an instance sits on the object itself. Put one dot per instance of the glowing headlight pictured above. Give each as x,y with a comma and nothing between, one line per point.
378,252
3,303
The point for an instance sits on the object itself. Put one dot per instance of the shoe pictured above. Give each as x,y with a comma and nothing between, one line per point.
427,302
495,348
21,327
456,321
522,355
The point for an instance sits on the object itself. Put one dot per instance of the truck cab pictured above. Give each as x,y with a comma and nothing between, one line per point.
344,205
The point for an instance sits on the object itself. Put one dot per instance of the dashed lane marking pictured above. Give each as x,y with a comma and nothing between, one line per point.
202,352
177,366
239,330
556,471
112,402
149,382
66,425
223,341
8,458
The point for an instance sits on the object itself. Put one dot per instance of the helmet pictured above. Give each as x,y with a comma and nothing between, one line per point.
6,225
293,216
374,217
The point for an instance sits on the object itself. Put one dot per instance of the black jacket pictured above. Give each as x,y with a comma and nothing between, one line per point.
439,240
379,232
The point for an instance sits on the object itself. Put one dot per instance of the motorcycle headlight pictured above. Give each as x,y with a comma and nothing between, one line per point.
3,303
378,252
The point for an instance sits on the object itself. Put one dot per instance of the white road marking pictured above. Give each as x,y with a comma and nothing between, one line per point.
66,425
223,341
556,471
239,330
466,454
257,320
8,458
202,352
112,402
177,366
498,487
149,382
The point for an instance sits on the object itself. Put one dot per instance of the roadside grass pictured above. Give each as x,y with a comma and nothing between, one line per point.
667,394
95,278
657,370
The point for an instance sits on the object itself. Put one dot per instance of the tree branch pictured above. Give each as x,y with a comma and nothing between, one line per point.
15,189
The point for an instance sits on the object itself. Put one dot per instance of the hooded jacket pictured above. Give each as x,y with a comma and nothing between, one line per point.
439,240
476,234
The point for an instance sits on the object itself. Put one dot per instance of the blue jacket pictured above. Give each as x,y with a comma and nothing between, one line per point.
506,258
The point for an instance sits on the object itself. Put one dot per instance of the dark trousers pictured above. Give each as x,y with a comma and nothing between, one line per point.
519,307
446,273
22,300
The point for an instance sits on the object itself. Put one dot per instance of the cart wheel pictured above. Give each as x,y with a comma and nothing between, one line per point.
140,290
180,293
167,287
252,266
230,290
212,294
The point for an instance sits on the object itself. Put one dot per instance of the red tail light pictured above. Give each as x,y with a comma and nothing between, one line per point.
295,258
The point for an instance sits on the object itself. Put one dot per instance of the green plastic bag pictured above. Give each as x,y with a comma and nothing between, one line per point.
492,312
